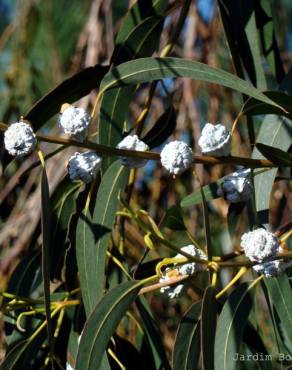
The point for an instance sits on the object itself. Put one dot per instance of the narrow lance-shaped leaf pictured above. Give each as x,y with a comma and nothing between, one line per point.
151,69
210,192
275,155
93,234
68,91
230,326
139,11
141,41
46,243
208,328
63,206
153,334
187,348
207,226
275,131
102,324
162,129
281,296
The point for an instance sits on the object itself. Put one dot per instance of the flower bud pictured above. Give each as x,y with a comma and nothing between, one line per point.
215,140
236,187
259,245
19,139
132,142
176,157
84,166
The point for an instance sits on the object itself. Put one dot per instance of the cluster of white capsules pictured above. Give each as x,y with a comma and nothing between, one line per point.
262,246
174,291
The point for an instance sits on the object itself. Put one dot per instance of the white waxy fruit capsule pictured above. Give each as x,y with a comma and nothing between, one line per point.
192,267
19,139
74,121
174,291
176,157
259,245
215,140
84,166
132,142
236,187
272,268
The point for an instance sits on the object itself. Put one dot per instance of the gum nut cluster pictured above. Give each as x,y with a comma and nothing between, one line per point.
19,139
215,140
259,245
236,187
176,157
132,142
84,166
73,121
187,269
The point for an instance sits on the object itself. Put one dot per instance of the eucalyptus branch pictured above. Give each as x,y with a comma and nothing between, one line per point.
110,151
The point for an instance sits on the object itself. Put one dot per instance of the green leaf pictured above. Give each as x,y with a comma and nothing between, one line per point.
281,296
102,324
186,351
12,358
254,107
141,41
233,217
210,192
152,334
23,278
275,131
93,234
68,91
63,207
162,129
151,69
275,155
173,219
207,226
46,244
230,326
139,11
208,327
270,48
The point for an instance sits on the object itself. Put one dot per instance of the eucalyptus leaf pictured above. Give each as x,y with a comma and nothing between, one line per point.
162,129
275,155
230,326
93,234
141,40
151,69
46,245
102,323
68,91
208,327
186,351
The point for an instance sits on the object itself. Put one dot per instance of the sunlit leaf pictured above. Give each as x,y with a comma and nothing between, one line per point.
151,69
